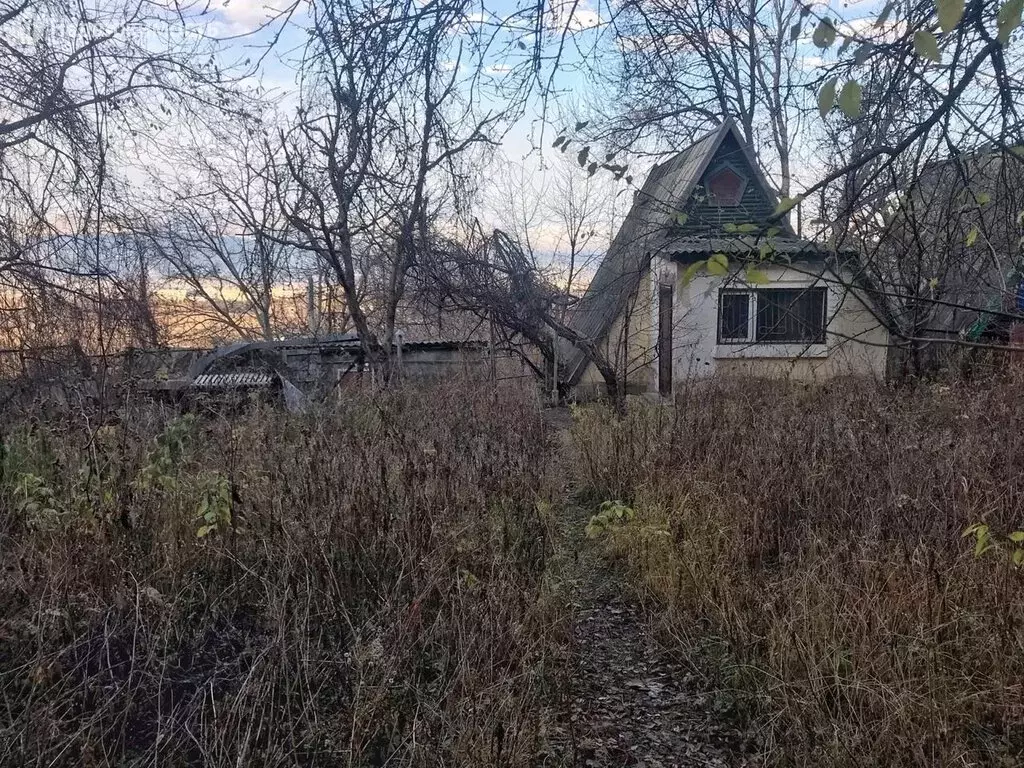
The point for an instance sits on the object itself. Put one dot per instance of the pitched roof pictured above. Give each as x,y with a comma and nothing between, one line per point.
665,192
647,229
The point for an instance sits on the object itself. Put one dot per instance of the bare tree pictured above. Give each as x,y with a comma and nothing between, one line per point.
586,209
219,236
684,66
79,81
561,216
921,174
373,155
497,279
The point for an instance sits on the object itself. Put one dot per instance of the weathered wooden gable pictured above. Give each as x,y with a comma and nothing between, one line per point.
704,216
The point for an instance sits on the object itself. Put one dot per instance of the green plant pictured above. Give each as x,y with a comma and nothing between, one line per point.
35,499
214,505
985,540
610,515
165,455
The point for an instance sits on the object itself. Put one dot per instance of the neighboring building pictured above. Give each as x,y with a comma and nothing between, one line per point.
809,316
311,366
951,258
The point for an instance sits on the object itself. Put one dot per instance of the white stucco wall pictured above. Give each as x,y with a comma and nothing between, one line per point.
629,346
855,341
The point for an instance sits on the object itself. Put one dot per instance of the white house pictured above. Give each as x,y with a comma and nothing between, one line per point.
697,281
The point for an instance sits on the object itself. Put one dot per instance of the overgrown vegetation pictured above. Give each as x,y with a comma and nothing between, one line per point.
807,541
360,586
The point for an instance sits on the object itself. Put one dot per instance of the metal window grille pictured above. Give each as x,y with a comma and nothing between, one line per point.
734,317
772,316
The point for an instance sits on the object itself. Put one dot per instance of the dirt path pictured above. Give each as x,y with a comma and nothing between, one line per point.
630,703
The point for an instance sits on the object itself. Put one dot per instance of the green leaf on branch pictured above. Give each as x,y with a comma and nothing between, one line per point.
691,271
926,46
850,99
582,124
756,276
972,236
827,97
970,530
718,265
558,142
982,540
824,34
746,228
787,204
949,12
1008,19
581,158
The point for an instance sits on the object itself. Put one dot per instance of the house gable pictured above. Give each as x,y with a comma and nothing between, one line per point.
706,216
677,186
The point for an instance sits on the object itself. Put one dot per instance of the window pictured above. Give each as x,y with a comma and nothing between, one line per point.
734,316
725,187
772,316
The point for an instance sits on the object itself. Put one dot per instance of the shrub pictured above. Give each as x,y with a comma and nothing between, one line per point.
357,586
816,563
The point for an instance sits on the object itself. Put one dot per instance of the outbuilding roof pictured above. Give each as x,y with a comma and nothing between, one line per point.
242,380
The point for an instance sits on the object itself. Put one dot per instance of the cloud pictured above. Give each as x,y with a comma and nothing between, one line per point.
240,16
809,62
572,16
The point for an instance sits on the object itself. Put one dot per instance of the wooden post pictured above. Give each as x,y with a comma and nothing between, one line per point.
554,367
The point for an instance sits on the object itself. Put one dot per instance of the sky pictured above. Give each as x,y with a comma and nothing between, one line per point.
525,147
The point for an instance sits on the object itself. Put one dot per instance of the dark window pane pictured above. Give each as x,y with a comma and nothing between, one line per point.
791,315
733,315
725,187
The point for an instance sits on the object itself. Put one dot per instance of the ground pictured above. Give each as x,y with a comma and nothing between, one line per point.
631,703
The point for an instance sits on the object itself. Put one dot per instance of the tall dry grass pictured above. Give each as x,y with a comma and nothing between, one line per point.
370,587
806,543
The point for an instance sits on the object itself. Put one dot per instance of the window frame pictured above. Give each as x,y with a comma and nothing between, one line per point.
751,315
713,199
752,338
